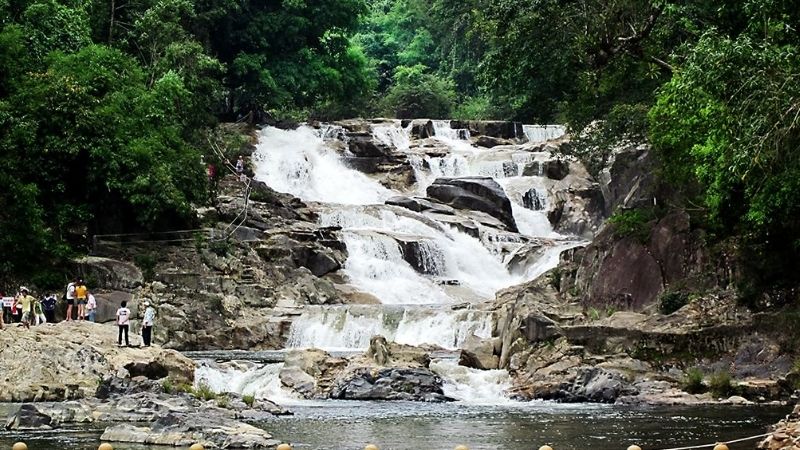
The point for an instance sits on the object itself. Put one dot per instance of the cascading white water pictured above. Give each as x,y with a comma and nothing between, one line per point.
244,378
300,163
483,387
376,264
443,130
393,135
351,327
543,133
415,266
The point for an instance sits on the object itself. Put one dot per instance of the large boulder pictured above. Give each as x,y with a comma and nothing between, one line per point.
474,193
107,273
28,417
364,145
408,384
72,359
182,430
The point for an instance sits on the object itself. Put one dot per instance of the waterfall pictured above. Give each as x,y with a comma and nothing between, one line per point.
443,130
483,387
393,135
244,378
299,162
417,267
543,133
351,327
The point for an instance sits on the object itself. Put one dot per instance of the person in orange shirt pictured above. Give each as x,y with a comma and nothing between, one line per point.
81,297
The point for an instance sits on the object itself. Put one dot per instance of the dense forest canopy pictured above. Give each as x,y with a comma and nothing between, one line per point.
106,106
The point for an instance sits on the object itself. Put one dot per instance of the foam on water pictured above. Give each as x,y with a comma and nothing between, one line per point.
344,328
543,133
484,387
244,378
300,163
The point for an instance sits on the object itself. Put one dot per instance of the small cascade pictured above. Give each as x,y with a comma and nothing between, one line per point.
393,135
543,133
377,237
298,162
244,378
346,328
443,130
483,387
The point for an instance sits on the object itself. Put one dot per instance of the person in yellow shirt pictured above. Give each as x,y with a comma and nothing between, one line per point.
26,301
81,297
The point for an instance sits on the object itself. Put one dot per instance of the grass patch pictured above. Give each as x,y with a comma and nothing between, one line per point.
204,392
223,402
633,222
249,400
721,385
693,381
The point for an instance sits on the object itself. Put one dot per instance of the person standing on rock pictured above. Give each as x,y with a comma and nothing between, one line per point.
26,301
81,298
91,307
49,305
38,313
123,321
70,296
147,323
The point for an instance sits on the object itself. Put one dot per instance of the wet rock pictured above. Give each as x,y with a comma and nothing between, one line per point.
310,372
422,129
533,201
364,145
113,385
420,204
478,353
598,385
490,142
180,429
408,384
491,128
556,169
475,193
28,417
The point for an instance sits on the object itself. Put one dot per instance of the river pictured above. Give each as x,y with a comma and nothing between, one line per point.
338,425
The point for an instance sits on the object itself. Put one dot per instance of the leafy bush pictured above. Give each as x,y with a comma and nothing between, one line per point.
721,385
220,247
633,222
223,401
249,400
419,94
693,381
146,262
204,392
475,108
671,301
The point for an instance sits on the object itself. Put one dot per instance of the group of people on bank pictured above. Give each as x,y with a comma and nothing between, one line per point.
81,305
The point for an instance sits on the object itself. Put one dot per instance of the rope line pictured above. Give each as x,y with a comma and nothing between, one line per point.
750,438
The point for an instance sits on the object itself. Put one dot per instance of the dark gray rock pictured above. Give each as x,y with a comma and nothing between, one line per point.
409,384
474,193
533,201
419,204
28,417
490,142
421,129
598,385
363,145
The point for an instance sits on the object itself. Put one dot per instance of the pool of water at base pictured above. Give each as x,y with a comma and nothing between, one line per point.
339,425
